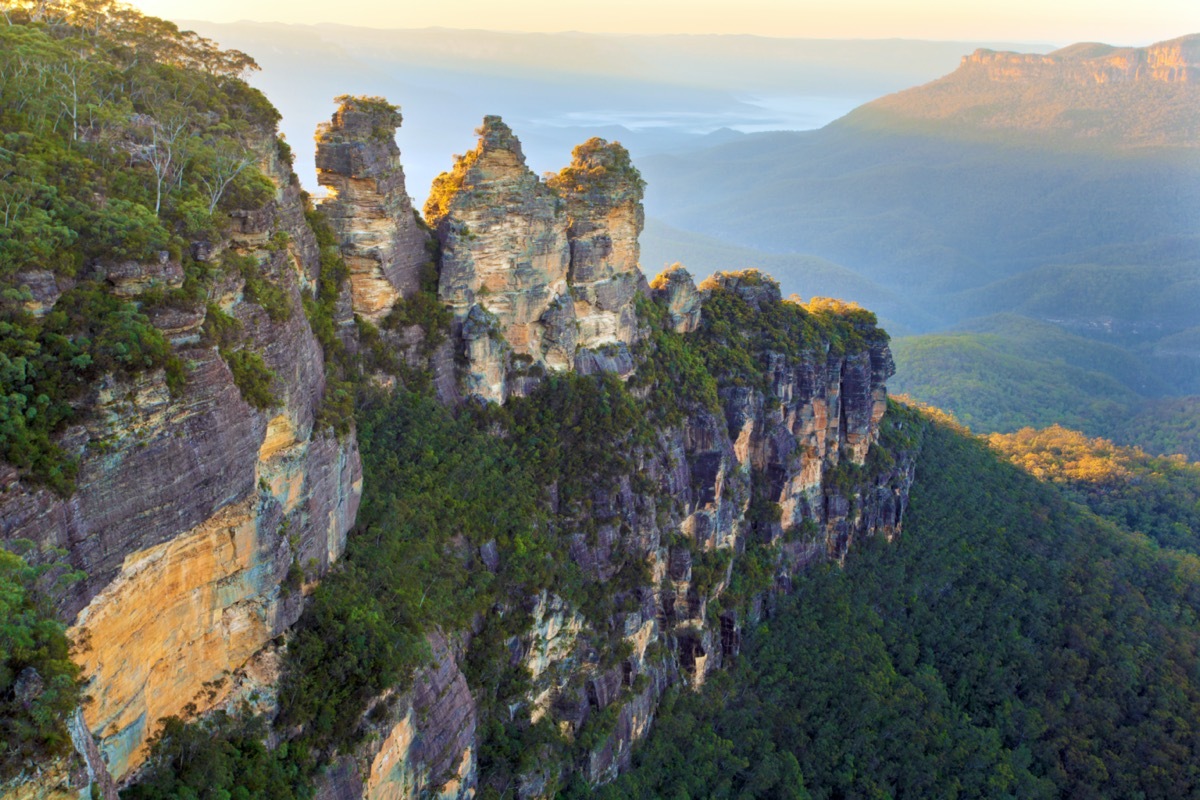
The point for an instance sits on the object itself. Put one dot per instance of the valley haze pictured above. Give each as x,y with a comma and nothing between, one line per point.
566,459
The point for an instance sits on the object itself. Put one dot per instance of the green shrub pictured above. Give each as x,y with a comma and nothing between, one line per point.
252,377
35,657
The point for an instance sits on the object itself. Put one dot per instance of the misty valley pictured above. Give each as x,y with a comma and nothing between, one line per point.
617,415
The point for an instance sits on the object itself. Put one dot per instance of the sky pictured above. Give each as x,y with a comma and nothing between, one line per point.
1054,21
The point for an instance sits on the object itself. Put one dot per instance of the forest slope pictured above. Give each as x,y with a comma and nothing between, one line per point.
1010,644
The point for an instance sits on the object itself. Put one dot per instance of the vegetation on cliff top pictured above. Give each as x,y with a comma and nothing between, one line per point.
124,139
745,322
599,172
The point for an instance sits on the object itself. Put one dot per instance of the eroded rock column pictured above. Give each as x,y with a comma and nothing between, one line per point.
382,242
505,252
603,195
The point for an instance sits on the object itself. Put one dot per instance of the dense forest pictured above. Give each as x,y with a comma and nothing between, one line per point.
1009,644
1033,632
1007,371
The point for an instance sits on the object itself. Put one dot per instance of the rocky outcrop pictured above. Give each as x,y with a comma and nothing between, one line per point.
383,242
676,290
504,250
424,747
540,276
197,519
80,773
603,195
1174,61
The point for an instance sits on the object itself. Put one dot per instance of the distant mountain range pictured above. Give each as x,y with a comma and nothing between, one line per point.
1088,93
1061,190
655,94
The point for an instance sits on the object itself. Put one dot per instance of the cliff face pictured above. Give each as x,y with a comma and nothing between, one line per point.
423,747
803,441
198,518
1174,61
1092,94
383,244
202,521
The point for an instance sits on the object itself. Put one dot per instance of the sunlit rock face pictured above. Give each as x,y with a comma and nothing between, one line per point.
1174,61
198,519
541,276
675,288
603,195
424,747
504,250
383,243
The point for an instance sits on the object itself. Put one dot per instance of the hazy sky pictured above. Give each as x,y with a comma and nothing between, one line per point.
1054,21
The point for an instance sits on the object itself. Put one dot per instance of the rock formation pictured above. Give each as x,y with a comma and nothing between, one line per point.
424,747
541,276
685,514
504,252
383,243
197,518
202,521
675,288
603,195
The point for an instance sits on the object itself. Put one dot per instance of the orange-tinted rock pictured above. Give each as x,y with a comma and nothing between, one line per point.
504,250
383,244
603,194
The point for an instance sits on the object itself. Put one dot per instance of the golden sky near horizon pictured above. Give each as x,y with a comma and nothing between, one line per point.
1051,21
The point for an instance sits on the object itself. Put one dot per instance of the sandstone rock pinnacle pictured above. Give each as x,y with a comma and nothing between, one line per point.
382,242
603,194
504,248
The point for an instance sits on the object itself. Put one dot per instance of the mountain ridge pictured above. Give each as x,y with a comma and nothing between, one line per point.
1086,94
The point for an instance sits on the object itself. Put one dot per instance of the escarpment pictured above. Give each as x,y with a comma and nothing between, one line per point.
685,451
200,513
1085,95
727,498
1174,61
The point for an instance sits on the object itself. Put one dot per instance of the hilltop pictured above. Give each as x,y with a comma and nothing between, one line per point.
1087,94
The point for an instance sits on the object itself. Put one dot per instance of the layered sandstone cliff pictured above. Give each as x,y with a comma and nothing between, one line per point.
504,262
382,241
198,519
1086,95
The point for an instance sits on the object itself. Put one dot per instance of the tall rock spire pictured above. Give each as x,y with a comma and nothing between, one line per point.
603,195
505,258
383,243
